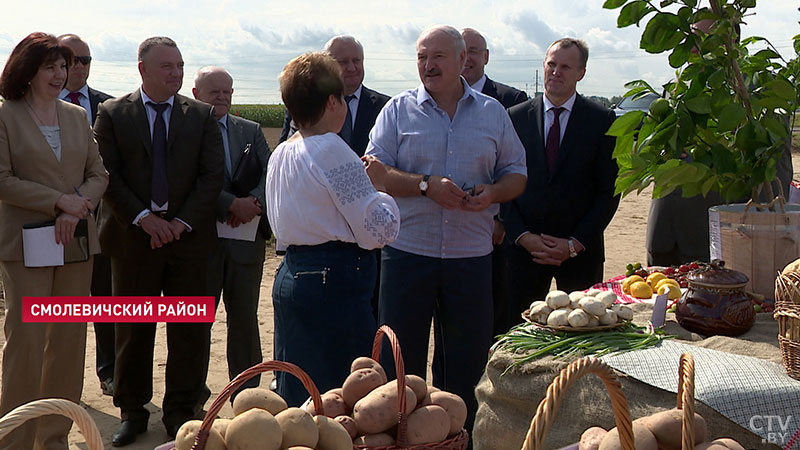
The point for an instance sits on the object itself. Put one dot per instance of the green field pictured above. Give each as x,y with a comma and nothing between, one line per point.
270,116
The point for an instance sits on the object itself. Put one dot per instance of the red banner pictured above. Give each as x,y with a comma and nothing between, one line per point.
118,309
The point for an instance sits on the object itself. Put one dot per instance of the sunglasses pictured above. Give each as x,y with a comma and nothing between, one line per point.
85,60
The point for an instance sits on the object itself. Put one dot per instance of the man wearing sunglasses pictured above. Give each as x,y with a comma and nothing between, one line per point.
78,92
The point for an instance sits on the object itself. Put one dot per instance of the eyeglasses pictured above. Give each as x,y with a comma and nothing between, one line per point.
85,60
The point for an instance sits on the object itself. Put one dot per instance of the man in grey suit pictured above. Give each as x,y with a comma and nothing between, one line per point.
78,92
236,265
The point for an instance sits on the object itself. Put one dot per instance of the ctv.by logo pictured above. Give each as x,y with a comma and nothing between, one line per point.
778,430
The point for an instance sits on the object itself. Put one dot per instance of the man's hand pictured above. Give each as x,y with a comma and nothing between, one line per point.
481,197
65,228
444,192
538,249
176,227
558,248
243,210
376,172
498,233
158,229
74,205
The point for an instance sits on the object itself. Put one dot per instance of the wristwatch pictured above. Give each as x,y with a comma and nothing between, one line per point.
423,185
572,252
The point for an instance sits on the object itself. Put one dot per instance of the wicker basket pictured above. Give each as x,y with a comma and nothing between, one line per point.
47,406
457,442
545,413
787,313
236,383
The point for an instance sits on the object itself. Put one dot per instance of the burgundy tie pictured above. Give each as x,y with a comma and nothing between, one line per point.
552,143
74,97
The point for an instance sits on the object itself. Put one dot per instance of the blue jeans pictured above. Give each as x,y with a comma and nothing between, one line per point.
457,295
323,317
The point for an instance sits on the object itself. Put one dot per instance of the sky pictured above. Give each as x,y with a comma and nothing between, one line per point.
255,39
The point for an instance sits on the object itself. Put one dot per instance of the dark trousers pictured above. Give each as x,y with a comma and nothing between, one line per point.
239,285
500,294
457,295
530,281
323,317
103,331
188,344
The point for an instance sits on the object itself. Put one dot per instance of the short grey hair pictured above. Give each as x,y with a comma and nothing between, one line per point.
458,39
583,48
149,43
208,70
342,39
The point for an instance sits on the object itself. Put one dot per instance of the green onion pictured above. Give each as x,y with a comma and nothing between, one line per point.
528,342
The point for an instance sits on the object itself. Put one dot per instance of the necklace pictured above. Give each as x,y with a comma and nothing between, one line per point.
36,116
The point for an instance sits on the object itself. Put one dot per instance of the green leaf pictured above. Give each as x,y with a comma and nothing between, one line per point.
623,147
690,3
625,123
613,4
766,54
783,89
635,84
724,160
661,33
632,13
730,117
700,104
680,55
665,3
716,79
708,184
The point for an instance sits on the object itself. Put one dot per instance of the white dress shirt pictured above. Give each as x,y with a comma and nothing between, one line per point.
563,118
83,99
353,105
478,86
318,191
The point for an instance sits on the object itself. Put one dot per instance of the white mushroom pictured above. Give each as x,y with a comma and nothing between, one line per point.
607,297
593,306
609,318
558,318
593,292
578,318
557,299
624,312
593,321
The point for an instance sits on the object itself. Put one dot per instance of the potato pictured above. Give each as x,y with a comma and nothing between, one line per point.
377,412
666,426
578,318
332,404
221,425
710,446
592,306
418,385
609,318
358,384
427,425
607,297
643,439
728,442
557,299
337,391
455,407
258,398
187,433
254,429
299,447
591,438
363,362
332,435
298,428
374,440
349,424
558,318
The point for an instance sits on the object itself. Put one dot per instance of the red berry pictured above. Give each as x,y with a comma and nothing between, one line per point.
669,271
683,268
683,283
694,266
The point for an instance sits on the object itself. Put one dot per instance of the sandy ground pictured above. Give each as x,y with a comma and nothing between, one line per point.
625,242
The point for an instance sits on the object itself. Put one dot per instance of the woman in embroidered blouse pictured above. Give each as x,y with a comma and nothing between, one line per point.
326,214
47,153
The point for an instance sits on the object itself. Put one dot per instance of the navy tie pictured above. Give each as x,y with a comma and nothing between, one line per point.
347,128
159,189
552,143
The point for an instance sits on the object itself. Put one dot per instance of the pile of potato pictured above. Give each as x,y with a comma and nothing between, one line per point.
579,309
661,431
364,411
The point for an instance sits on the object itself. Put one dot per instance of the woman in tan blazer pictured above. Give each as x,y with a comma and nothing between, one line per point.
50,169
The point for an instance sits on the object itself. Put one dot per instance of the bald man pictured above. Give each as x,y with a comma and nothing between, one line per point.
236,265
77,91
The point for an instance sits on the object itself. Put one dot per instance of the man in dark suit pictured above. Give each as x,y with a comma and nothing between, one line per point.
236,265
473,72
364,103
557,225
164,156
78,92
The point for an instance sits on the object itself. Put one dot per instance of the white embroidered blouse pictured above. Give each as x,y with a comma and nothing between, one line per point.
317,190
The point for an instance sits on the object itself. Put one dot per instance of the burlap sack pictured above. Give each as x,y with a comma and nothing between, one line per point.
507,402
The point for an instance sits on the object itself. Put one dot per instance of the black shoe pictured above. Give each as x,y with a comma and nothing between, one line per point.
107,386
127,432
172,429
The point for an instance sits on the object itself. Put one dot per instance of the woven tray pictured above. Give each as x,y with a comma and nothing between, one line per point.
59,406
787,313
573,329
457,442
236,383
548,407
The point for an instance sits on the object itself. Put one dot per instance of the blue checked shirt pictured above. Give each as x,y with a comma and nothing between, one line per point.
478,146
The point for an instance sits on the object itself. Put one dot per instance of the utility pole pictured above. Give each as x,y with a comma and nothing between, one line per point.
537,83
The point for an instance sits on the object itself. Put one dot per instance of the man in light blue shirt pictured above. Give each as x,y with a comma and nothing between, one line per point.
452,155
